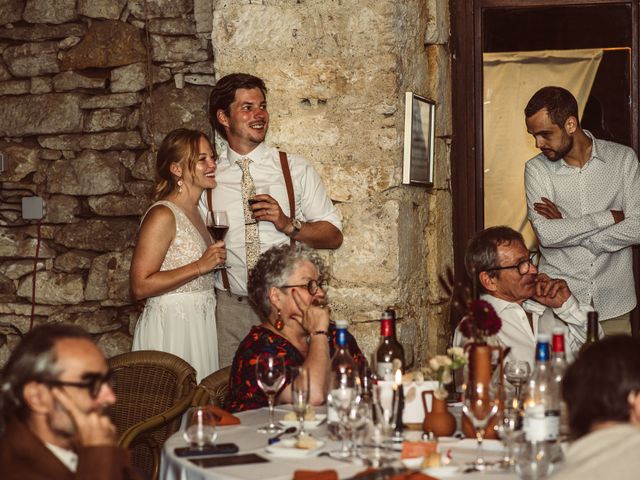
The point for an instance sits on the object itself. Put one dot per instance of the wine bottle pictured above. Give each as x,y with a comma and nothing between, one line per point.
389,348
343,374
558,367
592,330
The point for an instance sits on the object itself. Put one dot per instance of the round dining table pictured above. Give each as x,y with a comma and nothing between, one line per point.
279,467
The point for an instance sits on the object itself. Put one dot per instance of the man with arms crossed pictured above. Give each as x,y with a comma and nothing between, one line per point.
526,301
238,112
583,199
54,391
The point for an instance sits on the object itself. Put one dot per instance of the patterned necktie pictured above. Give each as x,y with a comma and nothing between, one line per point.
251,238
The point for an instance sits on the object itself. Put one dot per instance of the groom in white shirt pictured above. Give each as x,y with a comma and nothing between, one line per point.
526,301
238,112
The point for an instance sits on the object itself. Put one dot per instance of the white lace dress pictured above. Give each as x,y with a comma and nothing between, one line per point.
183,321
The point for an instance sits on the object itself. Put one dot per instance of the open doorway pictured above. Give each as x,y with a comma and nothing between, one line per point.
480,26
518,59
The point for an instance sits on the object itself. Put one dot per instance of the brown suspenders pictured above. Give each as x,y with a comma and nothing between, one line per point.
286,173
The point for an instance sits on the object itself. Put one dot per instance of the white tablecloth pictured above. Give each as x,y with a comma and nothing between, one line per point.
246,437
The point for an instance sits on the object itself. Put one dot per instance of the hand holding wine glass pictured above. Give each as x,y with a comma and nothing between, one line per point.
300,386
217,222
270,376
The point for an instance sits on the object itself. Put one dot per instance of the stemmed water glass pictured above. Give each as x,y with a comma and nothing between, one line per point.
479,405
217,222
270,375
508,427
300,384
201,428
517,372
344,386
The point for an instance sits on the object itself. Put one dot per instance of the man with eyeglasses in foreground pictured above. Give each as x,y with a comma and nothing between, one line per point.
526,301
54,391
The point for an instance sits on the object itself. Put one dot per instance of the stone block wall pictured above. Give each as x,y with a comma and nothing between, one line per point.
88,88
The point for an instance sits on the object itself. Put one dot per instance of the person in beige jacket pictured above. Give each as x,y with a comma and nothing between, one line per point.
602,392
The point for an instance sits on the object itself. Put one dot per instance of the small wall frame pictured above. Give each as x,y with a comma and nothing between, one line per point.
419,139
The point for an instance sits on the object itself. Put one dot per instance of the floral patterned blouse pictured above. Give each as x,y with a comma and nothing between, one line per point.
244,392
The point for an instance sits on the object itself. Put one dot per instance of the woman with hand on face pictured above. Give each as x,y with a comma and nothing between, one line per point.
173,261
286,287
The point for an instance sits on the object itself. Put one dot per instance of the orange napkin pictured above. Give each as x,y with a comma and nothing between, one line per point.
418,449
222,416
315,475
413,476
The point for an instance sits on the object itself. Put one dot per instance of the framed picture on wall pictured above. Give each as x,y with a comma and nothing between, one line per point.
419,139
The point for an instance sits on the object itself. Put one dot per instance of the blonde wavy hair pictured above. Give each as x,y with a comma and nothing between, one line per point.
179,146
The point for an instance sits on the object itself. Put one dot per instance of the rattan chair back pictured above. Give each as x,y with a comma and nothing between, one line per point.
153,389
213,389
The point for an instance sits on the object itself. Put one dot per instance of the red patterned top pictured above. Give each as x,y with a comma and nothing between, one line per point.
244,392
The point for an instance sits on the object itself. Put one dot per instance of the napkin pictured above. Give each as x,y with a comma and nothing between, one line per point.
418,449
315,475
222,416
413,476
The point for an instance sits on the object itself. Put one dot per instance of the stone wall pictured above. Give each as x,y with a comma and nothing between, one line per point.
89,87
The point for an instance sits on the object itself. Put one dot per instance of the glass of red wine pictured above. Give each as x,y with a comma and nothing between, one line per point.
218,224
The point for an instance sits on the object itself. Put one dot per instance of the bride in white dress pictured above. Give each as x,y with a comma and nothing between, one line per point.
174,257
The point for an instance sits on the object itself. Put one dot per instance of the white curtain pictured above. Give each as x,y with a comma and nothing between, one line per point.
510,79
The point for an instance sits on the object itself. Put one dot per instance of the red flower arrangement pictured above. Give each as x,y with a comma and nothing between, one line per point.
481,321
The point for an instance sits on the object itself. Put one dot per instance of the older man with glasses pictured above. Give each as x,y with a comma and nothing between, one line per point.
528,302
54,392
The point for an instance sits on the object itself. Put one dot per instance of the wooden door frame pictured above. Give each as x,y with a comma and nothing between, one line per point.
467,88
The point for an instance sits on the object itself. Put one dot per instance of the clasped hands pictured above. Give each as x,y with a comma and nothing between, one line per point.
551,292
550,211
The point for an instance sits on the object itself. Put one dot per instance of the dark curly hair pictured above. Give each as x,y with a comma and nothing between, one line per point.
224,93
274,268
559,102
597,385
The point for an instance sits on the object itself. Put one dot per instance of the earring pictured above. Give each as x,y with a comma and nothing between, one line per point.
180,183
279,323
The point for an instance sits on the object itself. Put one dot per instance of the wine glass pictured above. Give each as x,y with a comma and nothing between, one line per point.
300,385
479,406
508,427
517,372
344,387
201,428
260,190
270,376
217,223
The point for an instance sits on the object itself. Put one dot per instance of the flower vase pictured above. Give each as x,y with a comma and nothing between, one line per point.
439,420
479,372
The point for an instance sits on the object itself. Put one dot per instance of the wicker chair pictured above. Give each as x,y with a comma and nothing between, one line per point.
213,389
153,389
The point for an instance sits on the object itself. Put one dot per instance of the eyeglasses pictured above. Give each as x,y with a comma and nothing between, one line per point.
523,266
93,383
312,286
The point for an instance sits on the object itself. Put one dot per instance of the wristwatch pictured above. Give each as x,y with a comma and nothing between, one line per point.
297,225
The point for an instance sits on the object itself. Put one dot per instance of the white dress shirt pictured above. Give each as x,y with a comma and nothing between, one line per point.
586,247
68,457
516,332
312,203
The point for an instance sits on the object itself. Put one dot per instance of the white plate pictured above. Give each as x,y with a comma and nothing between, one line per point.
308,424
442,472
287,449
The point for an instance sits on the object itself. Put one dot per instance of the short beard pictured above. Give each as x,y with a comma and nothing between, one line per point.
562,152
